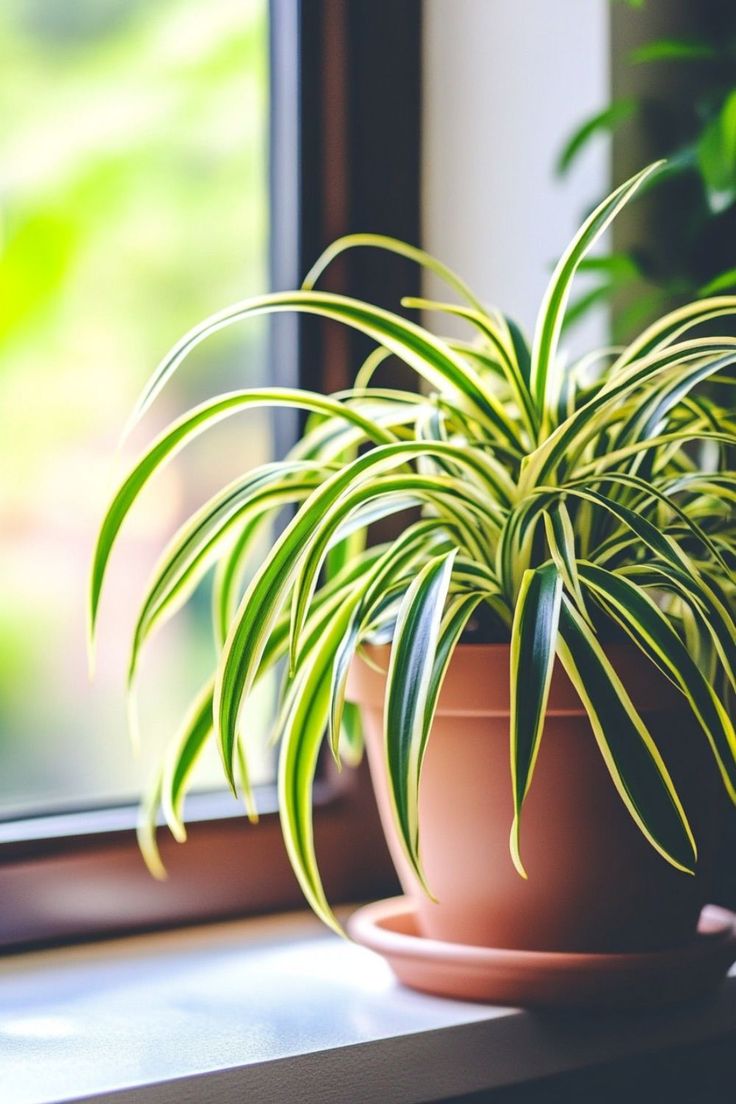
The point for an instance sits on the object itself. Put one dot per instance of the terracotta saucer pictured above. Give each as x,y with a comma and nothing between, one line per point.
544,978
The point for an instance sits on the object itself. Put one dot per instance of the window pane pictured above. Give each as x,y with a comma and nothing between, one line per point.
133,201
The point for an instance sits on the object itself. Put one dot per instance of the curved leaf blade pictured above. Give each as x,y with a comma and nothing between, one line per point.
532,657
408,688
180,433
301,742
630,754
551,314
645,623
430,357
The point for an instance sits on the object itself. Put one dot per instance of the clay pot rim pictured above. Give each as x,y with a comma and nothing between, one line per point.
477,682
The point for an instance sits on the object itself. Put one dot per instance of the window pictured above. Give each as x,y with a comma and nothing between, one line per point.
135,200
134,189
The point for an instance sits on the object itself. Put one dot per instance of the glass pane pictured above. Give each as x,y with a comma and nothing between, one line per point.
133,201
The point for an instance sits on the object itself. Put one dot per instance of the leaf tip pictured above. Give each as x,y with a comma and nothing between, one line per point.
334,742
146,834
154,863
225,746
514,848
419,871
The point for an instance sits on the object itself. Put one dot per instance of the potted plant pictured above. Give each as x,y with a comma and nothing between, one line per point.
568,569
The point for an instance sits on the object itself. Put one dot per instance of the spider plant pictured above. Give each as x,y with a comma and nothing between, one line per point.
566,500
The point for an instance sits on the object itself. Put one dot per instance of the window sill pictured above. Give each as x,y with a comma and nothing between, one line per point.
275,1010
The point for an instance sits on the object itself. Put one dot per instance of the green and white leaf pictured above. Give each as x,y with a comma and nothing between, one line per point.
533,641
409,696
566,500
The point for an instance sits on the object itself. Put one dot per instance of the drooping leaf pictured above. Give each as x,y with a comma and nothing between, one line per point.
645,623
175,437
533,644
192,550
308,533
631,756
301,741
427,355
396,561
408,689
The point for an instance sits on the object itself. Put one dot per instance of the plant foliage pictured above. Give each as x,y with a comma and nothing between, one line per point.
569,501
688,250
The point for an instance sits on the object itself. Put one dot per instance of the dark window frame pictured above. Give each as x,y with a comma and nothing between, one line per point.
345,94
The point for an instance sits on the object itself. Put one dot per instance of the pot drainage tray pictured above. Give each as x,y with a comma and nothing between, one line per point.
545,978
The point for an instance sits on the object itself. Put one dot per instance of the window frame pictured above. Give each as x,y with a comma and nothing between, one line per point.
79,874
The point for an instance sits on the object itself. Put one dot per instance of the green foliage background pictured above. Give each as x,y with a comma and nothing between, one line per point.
132,199
688,116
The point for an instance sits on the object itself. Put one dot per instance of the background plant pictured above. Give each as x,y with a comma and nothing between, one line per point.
560,498
690,118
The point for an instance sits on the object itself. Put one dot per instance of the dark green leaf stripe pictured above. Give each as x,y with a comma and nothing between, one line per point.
267,591
652,632
533,643
505,353
645,530
518,527
398,558
229,575
185,754
689,436
401,490
628,750
170,781
552,311
561,542
351,735
560,499
650,491
327,599
651,416
521,349
190,553
459,612
301,742
407,690
673,325
181,433
430,357
574,433
702,598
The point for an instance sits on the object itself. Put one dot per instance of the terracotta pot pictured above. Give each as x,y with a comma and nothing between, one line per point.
594,883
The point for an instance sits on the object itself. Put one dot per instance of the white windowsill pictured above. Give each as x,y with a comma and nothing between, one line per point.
278,1010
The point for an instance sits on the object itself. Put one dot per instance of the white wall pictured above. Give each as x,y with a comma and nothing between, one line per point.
505,83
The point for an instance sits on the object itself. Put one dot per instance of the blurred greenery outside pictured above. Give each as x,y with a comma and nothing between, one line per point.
133,202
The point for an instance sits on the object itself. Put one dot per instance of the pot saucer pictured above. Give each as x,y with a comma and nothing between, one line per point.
545,978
